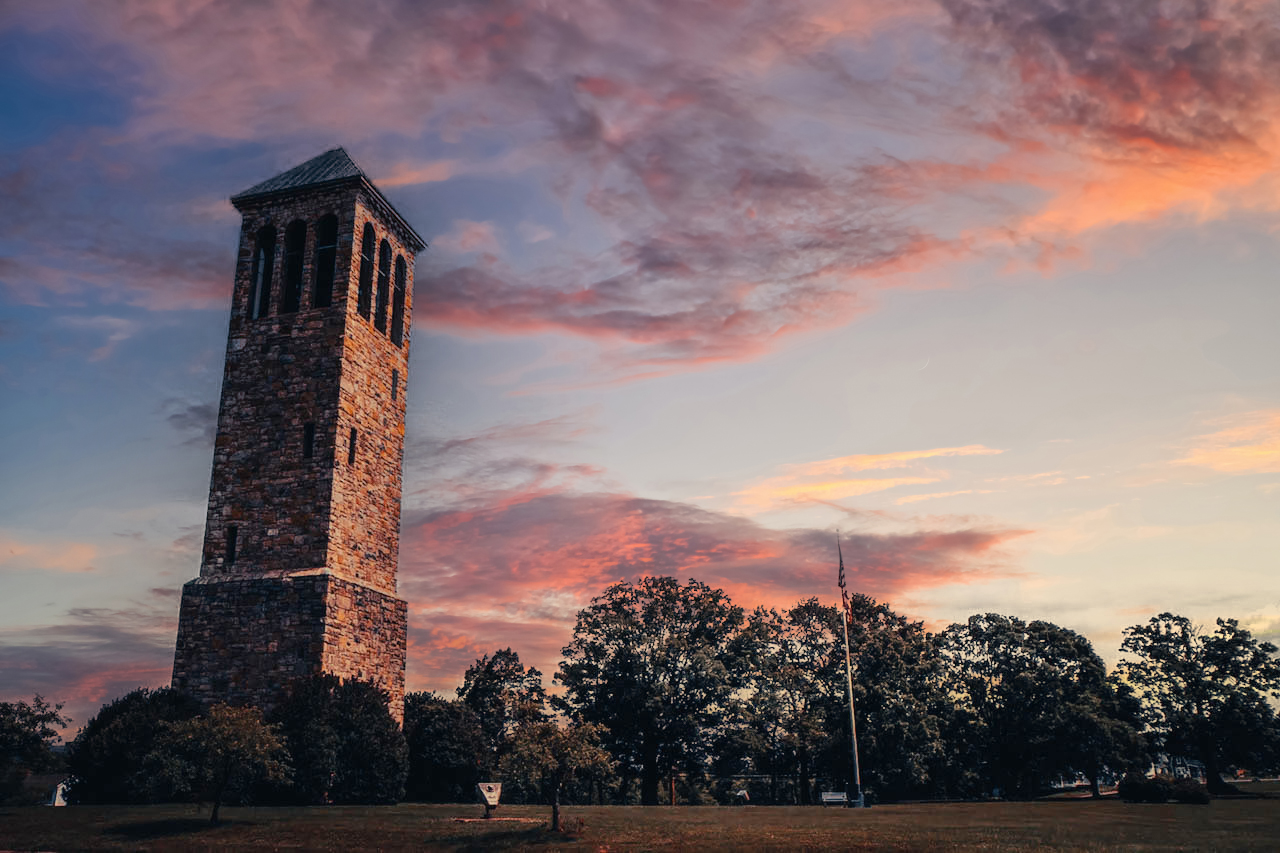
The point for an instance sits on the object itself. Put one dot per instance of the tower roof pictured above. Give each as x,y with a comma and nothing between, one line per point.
333,167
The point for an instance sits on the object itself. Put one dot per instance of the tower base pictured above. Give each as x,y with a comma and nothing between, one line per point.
245,639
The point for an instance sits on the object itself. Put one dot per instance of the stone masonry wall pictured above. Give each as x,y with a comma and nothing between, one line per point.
282,371
365,637
245,640
364,525
313,584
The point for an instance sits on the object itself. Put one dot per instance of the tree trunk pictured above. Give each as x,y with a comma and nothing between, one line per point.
1094,790
1213,774
649,776
806,793
217,803
555,810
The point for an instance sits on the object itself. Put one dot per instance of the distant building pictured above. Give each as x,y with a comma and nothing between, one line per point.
301,542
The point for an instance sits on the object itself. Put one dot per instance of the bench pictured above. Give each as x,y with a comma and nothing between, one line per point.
831,798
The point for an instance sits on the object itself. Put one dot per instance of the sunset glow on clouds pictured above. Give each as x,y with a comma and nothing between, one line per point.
828,479
1251,445
988,286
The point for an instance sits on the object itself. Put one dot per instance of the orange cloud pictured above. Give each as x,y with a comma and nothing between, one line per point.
17,555
408,174
823,480
1129,111
515,570
1249,446
914,498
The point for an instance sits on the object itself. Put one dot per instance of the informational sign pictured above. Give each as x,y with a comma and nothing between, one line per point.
489,792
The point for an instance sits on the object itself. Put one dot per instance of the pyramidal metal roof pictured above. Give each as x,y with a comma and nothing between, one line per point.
332,167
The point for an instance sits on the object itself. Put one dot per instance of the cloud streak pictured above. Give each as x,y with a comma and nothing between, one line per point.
1250,445
829,480
516,570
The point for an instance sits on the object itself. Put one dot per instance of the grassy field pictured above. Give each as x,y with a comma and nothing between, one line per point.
1050,825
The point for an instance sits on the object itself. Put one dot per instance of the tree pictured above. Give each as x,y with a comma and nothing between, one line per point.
447,749
1102,730
501,692
106,757
345,745
225,746
1037,702
1205,695
656,664
27,733
547,757
901,700
796,678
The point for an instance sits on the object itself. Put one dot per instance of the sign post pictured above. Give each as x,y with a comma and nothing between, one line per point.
489,792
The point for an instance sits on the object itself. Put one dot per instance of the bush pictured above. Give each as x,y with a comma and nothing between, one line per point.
447,749
1190,791
1137,788
106,758
346,747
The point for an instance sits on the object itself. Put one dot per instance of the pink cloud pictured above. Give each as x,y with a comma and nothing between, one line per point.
514,570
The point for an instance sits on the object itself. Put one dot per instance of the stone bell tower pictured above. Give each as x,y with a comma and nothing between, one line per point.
298,573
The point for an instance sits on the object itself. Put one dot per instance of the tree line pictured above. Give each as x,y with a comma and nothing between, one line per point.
669,691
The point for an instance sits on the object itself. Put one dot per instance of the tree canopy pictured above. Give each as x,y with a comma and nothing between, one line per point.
27,733
345,745
204,756
106,757
502,693
1205,694
656,664
546,756
448,752
1027,694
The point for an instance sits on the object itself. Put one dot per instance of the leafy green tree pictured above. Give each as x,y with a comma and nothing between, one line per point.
902,704
795,675
345,745
448,751
656,664
1031,692
27,734
1102,728
547,757
106,757
203,757
1205,695
502,693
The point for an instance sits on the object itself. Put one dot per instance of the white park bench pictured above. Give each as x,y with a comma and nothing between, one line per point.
832,798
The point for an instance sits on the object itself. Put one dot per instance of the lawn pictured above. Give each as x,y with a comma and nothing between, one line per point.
1047,825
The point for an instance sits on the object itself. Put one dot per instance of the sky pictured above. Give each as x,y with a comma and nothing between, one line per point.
985,286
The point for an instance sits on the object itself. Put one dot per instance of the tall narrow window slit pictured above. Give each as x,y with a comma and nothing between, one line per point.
326,261
264,259
397,304
364,300
295,240
384,286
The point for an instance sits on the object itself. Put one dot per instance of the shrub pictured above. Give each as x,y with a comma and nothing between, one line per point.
346,747
106,758
1190,791
1136,788
447,749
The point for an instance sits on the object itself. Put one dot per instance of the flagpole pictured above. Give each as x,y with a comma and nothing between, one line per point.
848,680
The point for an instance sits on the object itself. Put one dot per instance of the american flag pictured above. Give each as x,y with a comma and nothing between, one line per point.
844,591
